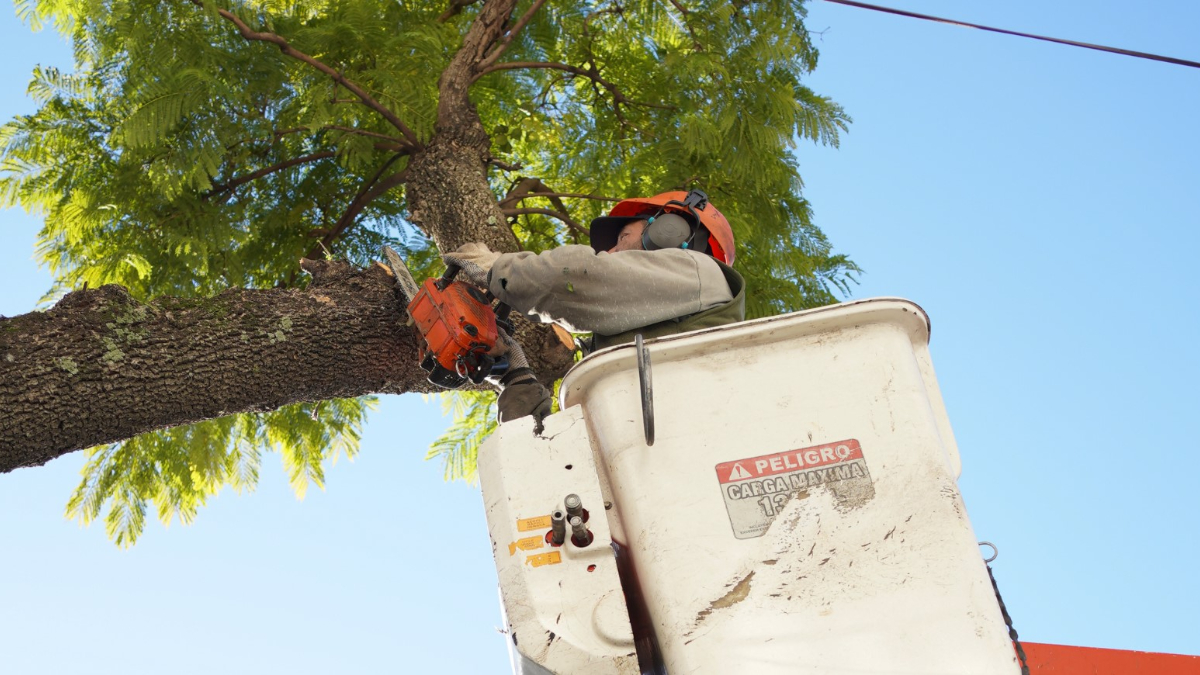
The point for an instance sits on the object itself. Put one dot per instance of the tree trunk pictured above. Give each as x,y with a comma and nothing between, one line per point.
100,367
448,193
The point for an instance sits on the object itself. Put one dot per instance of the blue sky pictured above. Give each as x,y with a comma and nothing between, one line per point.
1039,201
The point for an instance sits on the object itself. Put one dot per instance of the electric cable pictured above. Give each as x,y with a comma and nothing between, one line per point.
1071,43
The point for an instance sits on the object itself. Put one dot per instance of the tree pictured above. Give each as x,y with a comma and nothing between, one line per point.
201,149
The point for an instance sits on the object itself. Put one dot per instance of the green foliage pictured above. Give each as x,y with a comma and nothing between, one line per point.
179,469
180,158
474,420
474,415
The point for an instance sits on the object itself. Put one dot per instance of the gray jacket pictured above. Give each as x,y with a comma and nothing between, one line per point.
608,293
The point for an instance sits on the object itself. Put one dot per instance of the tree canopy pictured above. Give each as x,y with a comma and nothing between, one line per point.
199,148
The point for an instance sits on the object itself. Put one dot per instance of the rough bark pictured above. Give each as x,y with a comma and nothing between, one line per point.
100,366
447,190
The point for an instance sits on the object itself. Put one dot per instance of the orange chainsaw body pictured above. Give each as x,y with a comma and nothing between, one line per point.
459,327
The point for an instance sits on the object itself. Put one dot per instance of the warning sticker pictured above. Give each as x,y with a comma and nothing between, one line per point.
527,544
551,558
757,488
530,524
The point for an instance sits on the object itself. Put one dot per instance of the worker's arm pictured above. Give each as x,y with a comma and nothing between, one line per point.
608,293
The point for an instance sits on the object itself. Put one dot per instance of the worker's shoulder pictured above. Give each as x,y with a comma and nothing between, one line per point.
669,262
664,257
567,252
706,265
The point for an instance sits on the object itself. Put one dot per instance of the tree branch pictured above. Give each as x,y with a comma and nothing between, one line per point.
396,145
496,162
534,187
288,50
574,195
456,6
370,191
447,193
522,187
544,65
76,377
548,212
275,136
528,188
512,34
371,134
591,73
392,147
685,12
544,94
222,188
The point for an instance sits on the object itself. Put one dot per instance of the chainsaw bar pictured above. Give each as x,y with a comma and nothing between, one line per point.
404,278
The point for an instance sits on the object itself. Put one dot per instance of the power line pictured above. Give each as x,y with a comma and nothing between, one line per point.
1072,43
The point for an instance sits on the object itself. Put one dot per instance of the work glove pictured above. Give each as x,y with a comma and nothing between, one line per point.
523,398
475,261
521,394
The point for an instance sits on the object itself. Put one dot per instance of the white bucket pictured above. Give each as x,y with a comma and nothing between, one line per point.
798,511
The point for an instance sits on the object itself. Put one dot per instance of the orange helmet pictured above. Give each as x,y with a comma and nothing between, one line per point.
703,217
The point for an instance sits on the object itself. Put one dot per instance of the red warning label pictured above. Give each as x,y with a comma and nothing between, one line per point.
787,462
756,489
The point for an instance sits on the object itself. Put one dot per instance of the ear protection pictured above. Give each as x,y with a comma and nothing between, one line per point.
671,230
667,230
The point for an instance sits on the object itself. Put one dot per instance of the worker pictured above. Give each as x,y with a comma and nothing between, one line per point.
656,266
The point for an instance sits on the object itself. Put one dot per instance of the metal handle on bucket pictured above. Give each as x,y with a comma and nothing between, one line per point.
643,361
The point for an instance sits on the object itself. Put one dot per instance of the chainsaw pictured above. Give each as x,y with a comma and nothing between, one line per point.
458,325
